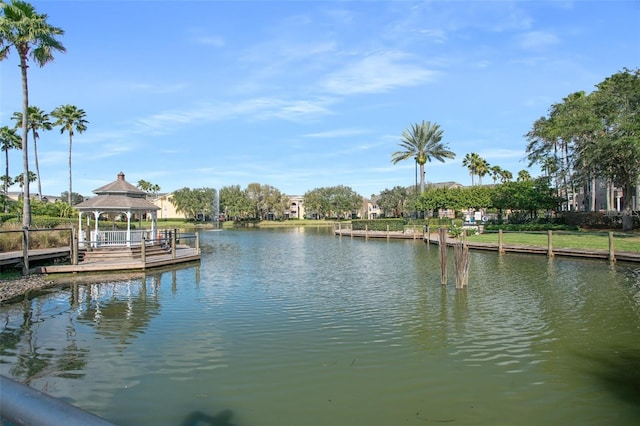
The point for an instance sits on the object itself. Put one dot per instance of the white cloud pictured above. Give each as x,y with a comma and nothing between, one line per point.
379,72
535,40
336,133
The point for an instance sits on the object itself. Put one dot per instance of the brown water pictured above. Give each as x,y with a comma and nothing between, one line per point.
299,327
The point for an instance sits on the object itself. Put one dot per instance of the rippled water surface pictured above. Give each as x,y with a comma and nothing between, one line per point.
299,327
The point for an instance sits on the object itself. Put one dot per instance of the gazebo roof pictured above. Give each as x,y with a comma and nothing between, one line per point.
119,195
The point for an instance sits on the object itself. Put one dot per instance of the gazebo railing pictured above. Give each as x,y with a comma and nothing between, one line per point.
118,238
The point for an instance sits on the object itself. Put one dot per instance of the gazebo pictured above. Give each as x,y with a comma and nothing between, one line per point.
115,199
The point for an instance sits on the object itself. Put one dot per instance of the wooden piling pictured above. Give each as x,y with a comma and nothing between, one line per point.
461,260
442,245
500,249
550,243
612,253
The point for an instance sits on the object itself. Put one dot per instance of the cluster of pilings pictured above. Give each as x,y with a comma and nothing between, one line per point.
460,259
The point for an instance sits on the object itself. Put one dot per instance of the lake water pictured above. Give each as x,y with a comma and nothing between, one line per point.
300,327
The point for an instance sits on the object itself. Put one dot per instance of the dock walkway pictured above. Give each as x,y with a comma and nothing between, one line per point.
433,238
182,255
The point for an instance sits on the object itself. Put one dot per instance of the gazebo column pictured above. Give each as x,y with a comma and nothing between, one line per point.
80,236
96,215
154,225
128,213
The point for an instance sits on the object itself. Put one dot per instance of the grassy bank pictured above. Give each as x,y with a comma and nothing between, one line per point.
579,240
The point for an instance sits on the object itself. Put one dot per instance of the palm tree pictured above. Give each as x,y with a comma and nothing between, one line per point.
20,180
38,120
482,168
470,161
523,176
9,139
422,142
70,118
506,176
496,173
29,33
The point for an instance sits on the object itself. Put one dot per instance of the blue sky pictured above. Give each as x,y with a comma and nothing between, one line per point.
307,94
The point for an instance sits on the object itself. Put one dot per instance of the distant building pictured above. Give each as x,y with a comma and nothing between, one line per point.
296,207
167,208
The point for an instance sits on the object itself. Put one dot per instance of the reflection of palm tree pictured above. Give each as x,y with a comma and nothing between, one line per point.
422,142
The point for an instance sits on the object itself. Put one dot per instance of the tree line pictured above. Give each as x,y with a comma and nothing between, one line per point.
264,202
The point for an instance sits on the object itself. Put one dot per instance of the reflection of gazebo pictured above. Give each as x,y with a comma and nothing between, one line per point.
117,198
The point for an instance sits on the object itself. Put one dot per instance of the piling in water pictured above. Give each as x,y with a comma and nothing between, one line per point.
442,245
461,260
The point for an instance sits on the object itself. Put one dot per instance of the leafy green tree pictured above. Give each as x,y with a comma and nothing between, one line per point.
614,151
234,202
9,139
334,201
194,202
392,201
75,198
267,201
526,196
70,119
37,120
29,33
422,142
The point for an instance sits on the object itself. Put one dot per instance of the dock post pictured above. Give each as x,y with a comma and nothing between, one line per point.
387,232
74,246
500,249
173,243
612,253
442,246
197,242
143,249
550,243
366,231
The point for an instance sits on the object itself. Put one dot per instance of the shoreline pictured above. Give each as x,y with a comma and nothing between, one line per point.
14,290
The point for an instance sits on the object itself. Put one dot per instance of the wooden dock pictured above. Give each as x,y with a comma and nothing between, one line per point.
49,254
108,263
121,264
505,248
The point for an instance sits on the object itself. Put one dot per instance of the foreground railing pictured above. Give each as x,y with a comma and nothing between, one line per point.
22,405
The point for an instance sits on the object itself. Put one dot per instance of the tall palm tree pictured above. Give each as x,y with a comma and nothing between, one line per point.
506,176
523,176
9,139
470,161
29,33
71,119
37,120
496,173
482,168
422,142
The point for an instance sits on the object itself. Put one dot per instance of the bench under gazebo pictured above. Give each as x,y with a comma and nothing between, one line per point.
117,199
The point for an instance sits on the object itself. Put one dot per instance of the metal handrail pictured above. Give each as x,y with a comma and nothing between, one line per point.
23,405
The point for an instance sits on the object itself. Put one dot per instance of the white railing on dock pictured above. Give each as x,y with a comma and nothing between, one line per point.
119,238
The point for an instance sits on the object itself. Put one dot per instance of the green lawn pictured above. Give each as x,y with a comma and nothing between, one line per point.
580,240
